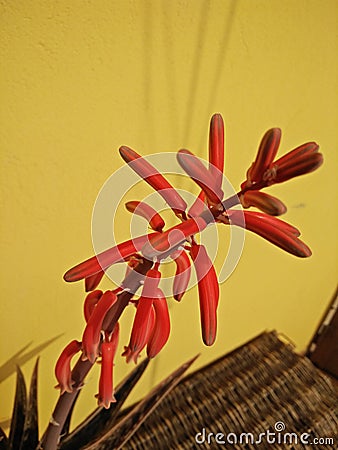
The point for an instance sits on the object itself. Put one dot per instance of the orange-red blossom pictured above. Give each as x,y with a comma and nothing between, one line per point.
151,325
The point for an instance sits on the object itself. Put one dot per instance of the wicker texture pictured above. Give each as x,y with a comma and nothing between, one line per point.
246,391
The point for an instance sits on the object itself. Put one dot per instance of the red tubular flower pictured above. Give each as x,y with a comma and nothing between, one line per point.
102,261
90,302
294,166
265,202
142,327
216,148
156,180
208,290
201,175
274,230
108,350
264,171
144,210
168,241
303,151
266,153
182,274
92,333
144,320
63,371
216,162
161,328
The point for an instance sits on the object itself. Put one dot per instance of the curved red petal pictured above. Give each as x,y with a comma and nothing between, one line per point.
301,151
297,167
266,154
201,175
63,372
156,180
92,333
182,274
102,261
90,302
208,290
161,327
273,230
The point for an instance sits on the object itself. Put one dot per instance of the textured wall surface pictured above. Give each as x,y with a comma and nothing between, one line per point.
80,78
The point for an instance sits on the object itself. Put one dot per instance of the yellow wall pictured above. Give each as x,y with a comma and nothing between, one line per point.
81,78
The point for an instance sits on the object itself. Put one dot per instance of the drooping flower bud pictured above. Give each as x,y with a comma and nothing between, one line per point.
208,290
266,154
90,302
161,328
274,230
182,274
106,387
92,333
63,371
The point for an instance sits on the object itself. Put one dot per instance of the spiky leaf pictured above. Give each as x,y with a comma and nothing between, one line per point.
30,438
19,412
117,436
101,420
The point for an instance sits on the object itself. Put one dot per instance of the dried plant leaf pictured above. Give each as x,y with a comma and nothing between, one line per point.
30,438
103,419
117,436
19,412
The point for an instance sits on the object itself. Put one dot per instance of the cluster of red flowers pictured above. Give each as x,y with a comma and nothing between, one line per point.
151,325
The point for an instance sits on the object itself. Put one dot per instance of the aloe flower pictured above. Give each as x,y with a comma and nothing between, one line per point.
108,350
143,255
264,171
63,371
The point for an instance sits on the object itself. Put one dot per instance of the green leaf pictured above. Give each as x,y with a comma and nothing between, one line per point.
19,412
30,438
117,436
101,420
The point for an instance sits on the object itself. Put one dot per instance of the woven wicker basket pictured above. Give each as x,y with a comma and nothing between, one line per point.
263,385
